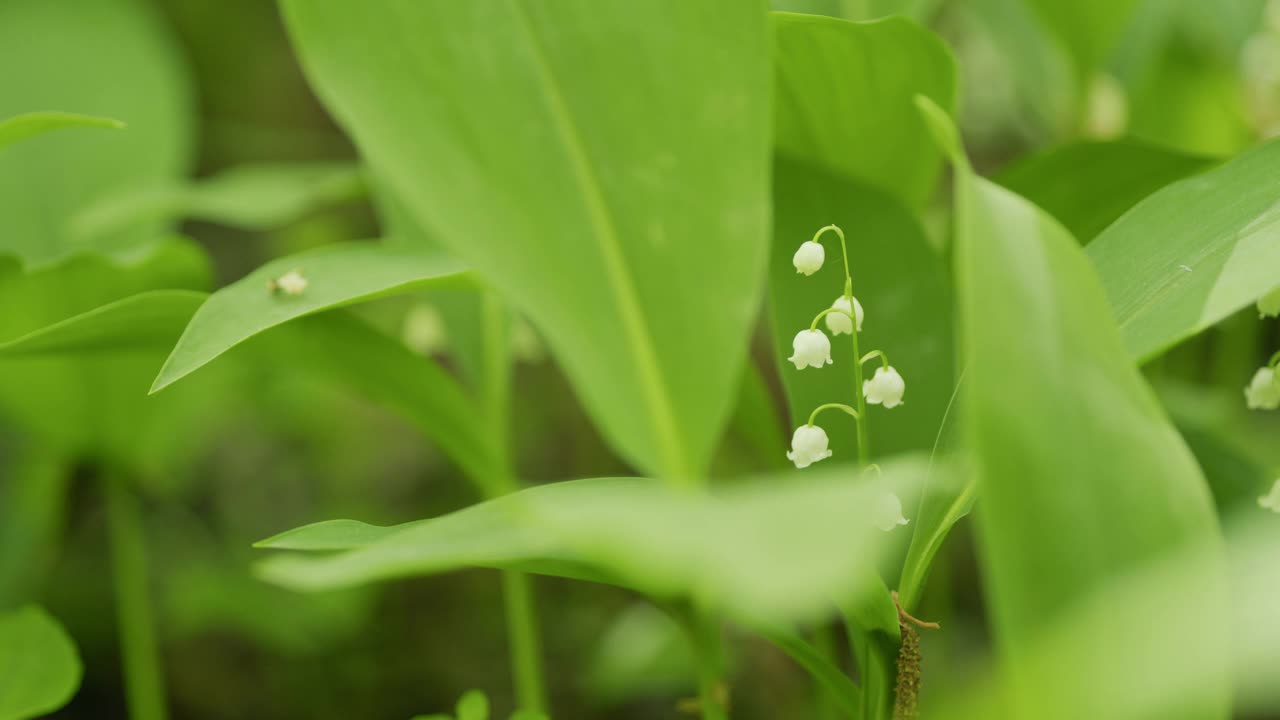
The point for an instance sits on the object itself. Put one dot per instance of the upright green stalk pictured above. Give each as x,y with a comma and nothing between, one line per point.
705,630
517,587
143,680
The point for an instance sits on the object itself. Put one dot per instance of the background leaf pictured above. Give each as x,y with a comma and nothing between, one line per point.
829,72
39,666
74,55
1193,253
1088,185
32,124
150,319
627,217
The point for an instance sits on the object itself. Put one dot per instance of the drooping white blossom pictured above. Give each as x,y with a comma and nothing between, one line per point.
1271,501
808,259
291,283
1269,304
810,348
838,322
1263,392
889,512
808,446
886,387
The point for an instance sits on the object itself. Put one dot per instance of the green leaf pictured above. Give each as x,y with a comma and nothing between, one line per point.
758,550
1087,185
39,667
833,679
606,169
248,197
74,55
844,100
1072,450
336,276
148,320
1193,253
29,125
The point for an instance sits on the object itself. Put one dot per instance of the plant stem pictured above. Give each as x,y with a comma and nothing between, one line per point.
706,631
144,683
526,645
517,588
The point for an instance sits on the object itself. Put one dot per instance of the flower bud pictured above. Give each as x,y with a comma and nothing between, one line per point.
886,388
839,323
1269,304
808,259
1271,501
811,348
889,512
808,446
290,283
1263,392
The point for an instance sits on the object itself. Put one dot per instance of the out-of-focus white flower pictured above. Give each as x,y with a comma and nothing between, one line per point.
808,259
1106,107
290,283
811,348
808,446
1269,304
1263,392
424,331
838,322
889,512
886,387
1271,501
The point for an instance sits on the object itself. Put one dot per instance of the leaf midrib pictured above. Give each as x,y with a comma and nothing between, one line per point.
670,450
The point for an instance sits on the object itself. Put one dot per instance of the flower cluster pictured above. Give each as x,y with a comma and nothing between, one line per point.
811,348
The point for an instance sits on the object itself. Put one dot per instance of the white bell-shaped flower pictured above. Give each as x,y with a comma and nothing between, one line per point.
838,322
886,387
1269,304
1263,392
808,446
889,512
1271,501
811,348
808,259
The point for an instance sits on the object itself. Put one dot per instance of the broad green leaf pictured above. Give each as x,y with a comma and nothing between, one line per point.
150,319
250,197
75,55
605,168
1082,477
1193,253
844,100
32,124
904,290
642,652
759,550
39,665
336,275
32,502
1087,185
